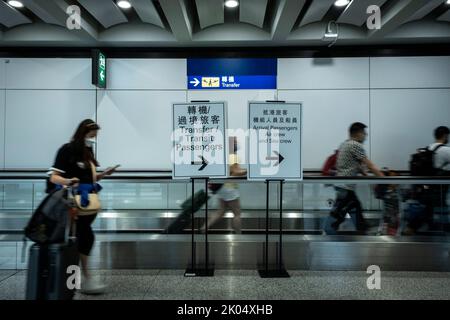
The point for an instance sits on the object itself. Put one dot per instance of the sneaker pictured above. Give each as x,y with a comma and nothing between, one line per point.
92,286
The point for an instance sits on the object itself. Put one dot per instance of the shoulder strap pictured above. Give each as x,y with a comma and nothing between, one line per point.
434,151
437,147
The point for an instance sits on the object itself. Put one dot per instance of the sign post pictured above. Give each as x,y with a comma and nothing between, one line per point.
274,154
199,152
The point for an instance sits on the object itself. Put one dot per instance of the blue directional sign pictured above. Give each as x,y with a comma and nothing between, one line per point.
229,74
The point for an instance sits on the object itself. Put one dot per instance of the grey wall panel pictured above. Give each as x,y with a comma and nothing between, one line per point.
2,128
136,128
49,73
327,115
253,195
2,73
134,196
410,72
2,111
38,122
323,73
178,193
404,120
162,74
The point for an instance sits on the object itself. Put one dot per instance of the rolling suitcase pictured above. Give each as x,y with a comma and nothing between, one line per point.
48,273
183,220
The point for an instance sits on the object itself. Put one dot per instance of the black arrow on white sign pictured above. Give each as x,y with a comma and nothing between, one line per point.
203,163
277,157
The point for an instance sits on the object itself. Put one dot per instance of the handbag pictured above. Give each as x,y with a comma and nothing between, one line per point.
94,201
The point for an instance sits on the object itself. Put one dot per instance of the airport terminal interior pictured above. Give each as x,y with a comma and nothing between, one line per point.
203,109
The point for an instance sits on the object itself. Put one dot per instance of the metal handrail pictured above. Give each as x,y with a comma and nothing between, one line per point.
162,175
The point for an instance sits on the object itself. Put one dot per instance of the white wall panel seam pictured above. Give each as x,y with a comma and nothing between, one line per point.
4,129
370,109
4,119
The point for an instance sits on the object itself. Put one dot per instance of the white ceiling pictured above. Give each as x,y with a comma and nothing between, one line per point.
184,23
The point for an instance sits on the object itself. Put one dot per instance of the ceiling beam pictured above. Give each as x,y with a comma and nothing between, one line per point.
286,15
398,14
430,6
253,12
178,18
445,16
356,13
105,11
147,12
55,12
210,12
316,11
47,11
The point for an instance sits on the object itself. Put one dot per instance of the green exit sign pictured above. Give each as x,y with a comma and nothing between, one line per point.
99,69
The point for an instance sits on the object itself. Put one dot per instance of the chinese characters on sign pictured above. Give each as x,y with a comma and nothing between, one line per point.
275,141
99,69
199,140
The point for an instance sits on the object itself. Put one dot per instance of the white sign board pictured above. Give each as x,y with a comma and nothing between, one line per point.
198,136
275,141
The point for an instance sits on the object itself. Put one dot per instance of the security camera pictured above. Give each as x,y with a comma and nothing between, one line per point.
330,34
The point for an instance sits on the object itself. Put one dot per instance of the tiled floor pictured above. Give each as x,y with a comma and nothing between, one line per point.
247,285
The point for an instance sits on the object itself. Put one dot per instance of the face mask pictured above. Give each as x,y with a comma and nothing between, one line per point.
89,142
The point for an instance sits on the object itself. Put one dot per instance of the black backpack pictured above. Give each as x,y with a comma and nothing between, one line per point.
421,163
49,222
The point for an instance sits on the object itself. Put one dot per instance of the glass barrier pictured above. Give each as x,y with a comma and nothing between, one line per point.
315,206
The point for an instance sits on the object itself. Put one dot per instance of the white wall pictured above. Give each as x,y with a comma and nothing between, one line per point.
136,128
2,128
401,99
323,73
147,74
49,74
410,97
38,122
410,72
403,120
2,111
327,114
2,74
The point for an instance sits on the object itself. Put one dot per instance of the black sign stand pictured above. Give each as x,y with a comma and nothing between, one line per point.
280,271
195,270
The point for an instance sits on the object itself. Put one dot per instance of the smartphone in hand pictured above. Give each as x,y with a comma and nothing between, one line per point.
110,170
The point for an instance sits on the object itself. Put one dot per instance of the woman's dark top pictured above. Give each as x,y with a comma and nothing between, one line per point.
71,165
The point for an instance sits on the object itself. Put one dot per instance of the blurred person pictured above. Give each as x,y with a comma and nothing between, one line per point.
351,161
75,165
228,194
433,197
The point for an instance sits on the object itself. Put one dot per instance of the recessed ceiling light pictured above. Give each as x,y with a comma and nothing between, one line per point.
15,4
231,3
341,3
124,4
448,2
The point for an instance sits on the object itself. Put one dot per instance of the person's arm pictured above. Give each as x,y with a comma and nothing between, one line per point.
107,172
372,167
57,178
